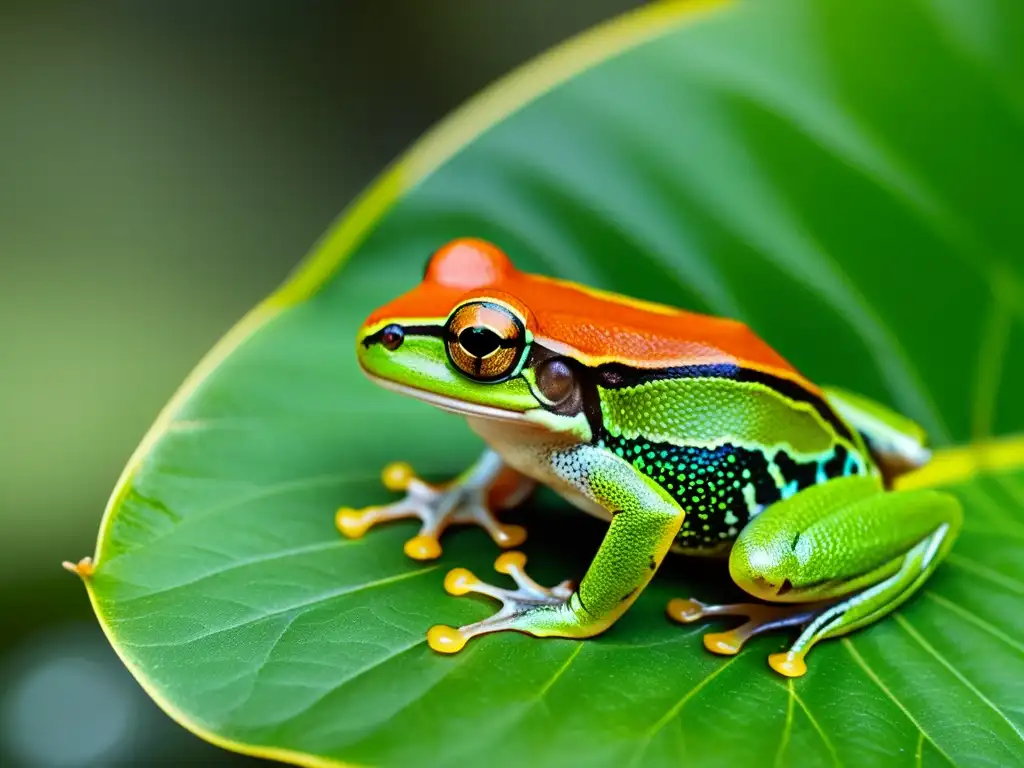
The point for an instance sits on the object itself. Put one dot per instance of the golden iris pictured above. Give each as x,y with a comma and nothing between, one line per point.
485,340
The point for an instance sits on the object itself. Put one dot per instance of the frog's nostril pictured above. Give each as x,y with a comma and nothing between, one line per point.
392,337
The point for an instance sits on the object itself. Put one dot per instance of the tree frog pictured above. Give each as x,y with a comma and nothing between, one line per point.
687,432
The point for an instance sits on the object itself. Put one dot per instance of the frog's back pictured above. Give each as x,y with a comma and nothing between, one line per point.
724,441
602,327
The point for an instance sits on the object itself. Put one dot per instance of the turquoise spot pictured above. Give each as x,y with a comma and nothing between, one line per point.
849,464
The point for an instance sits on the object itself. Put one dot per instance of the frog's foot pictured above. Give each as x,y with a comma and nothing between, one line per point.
528,608
469,499
759,618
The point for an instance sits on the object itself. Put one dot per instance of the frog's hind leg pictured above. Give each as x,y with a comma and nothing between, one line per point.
759,617
856,551
862,608
469,499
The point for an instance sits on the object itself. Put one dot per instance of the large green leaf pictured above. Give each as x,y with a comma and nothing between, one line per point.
844,176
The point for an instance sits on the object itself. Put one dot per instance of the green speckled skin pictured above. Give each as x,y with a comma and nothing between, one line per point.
644,523
724,450
704,411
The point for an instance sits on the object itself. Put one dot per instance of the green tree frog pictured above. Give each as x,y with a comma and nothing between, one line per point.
687,432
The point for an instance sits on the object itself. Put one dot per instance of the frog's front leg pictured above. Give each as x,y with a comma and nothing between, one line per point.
470,498
846,552
644,524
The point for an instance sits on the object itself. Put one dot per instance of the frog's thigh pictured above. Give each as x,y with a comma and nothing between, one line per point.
845,541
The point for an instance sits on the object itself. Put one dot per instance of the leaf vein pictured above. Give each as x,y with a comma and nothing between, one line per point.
266,491
909,628
973,618
817,726
236,565
676,708
321,598
873,676
967,564
788,729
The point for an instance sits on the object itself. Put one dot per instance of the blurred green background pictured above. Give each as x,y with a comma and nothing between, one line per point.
163,166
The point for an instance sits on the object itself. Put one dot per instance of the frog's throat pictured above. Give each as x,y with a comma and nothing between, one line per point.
449,404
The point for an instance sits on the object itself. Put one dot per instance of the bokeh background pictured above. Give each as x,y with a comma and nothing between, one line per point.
163,166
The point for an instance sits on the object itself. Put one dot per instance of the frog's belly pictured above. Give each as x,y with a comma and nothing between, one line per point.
529,450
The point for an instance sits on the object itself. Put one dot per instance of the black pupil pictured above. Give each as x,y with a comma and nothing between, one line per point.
392,337
479,341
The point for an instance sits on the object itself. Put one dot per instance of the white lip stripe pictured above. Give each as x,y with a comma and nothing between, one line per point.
449,403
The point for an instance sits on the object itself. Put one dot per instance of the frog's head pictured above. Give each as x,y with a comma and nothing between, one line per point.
465,340
481,338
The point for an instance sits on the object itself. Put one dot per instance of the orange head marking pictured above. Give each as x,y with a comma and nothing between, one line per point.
456,273
468,263
472,285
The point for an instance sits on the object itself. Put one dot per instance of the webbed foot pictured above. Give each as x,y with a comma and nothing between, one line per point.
759,619
528,608
469,499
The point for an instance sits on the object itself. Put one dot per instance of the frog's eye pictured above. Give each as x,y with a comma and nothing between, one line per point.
485,341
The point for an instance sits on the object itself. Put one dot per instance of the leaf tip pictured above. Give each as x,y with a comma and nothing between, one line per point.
84,568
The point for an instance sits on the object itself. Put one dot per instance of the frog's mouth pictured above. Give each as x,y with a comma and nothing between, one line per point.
450,404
